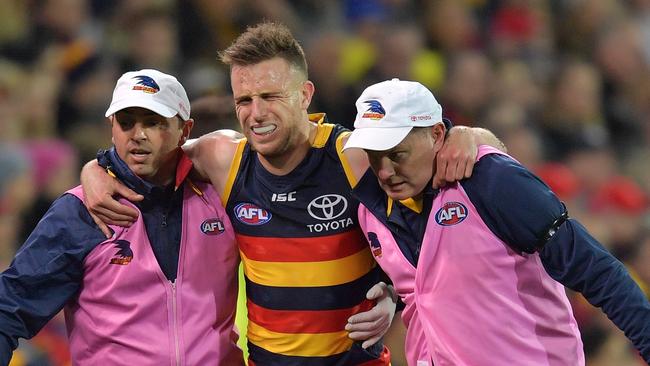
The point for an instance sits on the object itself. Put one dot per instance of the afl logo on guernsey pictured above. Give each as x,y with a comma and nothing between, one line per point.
212,227
249,214
451,213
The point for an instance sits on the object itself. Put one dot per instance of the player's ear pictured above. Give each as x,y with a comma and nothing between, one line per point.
308,89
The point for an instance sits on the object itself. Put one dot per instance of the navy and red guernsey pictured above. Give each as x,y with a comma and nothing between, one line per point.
306,263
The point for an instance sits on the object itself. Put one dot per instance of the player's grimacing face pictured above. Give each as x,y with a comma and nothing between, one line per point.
269,104
405,170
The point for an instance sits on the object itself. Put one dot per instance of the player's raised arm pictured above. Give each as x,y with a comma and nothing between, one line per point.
100,190
456,158
212,155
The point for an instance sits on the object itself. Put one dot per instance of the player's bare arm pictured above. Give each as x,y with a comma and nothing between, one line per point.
486,137
357,159
99,190
455,160
212,156
457,157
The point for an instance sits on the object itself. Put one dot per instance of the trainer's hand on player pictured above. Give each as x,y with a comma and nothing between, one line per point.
456,158
99,189
371,325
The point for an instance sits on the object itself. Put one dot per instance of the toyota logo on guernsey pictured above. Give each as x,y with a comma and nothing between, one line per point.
249,214
451,213
328,208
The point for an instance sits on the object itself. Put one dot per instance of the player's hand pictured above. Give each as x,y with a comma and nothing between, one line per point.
371,325
456,158
99,189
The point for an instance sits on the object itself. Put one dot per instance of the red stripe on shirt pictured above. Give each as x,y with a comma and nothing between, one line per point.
304,321
322,248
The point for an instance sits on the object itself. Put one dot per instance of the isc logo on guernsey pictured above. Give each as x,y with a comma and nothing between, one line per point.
249,214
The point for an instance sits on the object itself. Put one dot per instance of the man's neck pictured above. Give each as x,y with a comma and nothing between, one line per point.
162,183
165,176
286,162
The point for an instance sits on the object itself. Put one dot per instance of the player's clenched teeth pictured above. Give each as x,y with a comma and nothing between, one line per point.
260,130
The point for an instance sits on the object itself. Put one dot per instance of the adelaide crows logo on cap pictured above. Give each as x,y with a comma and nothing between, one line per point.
375,110
146,84
124,255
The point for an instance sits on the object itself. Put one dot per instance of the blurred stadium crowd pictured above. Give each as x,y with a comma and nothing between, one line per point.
564,83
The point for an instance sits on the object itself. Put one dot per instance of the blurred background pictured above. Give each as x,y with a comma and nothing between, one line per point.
564,83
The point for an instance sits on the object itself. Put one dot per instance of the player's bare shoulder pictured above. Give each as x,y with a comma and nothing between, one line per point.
213,153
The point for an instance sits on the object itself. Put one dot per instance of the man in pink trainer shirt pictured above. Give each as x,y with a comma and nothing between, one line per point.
480,263
158,293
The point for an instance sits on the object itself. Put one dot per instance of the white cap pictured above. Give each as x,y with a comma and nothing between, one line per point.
387,111
152,90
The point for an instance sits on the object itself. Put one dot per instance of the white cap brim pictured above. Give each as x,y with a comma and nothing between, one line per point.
377,138
148,103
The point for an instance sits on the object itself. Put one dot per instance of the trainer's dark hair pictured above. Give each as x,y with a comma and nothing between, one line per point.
262,42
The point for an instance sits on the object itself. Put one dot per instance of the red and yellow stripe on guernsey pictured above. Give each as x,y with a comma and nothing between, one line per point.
306,321
286,257
275,262
306,344
315,249
311,274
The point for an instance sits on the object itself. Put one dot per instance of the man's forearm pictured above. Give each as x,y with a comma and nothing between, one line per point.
88,169
578,261
486,137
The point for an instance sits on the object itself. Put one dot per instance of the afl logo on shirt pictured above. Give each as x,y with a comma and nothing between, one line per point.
451,213
249,214
212,227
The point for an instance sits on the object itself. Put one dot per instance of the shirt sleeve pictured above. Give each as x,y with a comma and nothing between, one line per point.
46,272
516,205
520,209
575,259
